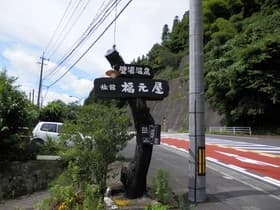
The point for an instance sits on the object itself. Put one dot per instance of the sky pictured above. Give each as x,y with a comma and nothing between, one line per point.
30,28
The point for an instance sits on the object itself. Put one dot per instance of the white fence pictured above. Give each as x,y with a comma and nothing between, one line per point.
231,130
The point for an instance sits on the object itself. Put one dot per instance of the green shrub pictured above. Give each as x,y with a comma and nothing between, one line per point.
156,207
161,186
68,191
50,147
97,135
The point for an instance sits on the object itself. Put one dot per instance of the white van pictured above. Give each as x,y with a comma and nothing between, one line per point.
45,130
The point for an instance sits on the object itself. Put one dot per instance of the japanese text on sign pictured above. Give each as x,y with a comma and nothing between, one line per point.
150,134
131,88
135,70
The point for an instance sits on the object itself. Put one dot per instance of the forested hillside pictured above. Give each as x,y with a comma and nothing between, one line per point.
241,59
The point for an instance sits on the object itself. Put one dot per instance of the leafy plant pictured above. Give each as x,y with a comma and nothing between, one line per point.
50,147
157,207
16,115
161,186
69,192
97,135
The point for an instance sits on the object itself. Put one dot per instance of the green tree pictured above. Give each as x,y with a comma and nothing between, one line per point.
104,134
16,113
242,80
165,33
178,38
14,107
176,21
58,111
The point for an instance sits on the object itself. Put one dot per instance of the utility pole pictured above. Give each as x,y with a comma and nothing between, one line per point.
41,76
33,96
197,161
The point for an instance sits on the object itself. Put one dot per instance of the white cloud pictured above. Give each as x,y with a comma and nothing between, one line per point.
53,96
76,85
23,65
27,26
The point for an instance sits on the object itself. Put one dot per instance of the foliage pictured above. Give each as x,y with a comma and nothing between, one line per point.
161,186
14,107
58,111
16,115
69,193
165,33
169,53
50,147
97,135
242,80
156,207
179,38
94,138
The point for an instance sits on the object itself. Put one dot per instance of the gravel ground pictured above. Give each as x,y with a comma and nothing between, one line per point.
26,202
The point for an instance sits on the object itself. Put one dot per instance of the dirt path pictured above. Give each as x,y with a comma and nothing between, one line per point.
26,202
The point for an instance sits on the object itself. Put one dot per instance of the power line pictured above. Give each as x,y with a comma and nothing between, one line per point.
58,26
97,21
74,22
87,50
115,26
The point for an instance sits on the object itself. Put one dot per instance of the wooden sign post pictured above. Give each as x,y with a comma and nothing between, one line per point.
134,83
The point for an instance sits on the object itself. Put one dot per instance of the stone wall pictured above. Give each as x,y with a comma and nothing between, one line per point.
172,112
20,178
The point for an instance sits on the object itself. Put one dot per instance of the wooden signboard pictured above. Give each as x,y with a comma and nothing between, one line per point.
121,88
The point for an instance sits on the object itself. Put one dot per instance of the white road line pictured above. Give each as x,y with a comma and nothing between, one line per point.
236,168
244,171
244,182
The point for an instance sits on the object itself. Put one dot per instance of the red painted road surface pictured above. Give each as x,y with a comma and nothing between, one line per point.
253,162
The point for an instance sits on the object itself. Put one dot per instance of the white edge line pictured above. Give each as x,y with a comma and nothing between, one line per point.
236,168
244,171
174,147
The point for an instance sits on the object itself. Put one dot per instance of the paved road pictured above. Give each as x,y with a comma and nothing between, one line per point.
226,188
257,160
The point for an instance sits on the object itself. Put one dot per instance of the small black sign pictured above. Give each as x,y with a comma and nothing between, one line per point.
139,71
150,134
131,88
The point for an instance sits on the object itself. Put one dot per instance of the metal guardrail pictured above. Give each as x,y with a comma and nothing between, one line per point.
230,130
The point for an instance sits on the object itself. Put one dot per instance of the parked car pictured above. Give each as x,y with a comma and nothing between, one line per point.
45,130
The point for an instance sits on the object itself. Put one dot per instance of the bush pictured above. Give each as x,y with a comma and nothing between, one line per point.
69,193
161,186
156,207
97,135
16,113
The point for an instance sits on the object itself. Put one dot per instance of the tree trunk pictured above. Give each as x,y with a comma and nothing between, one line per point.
134,176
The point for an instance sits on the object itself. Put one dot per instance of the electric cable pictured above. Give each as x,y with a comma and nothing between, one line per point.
87,50
80,42
74,22
58,26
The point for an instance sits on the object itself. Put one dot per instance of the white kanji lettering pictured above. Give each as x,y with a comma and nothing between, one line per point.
147,71
142,87
123,69
128,87
112,87
157,88
139,70
144,130
131,70
104,87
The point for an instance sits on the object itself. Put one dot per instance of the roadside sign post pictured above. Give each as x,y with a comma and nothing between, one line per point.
134,83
